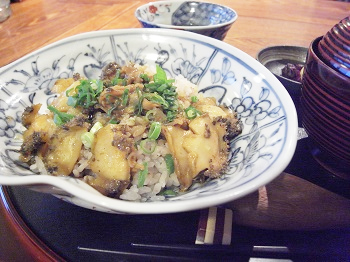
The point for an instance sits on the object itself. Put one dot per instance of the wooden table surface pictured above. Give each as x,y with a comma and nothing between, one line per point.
260,23
36,23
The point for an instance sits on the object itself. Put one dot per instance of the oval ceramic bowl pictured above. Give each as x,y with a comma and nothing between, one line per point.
257,156
199,17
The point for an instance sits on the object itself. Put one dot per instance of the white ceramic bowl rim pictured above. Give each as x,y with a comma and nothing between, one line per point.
234,18
121,206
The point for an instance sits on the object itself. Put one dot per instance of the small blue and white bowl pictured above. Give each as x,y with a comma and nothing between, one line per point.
204,18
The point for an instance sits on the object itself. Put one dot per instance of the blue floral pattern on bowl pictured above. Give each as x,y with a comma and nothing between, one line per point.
199,17
269,126
193,13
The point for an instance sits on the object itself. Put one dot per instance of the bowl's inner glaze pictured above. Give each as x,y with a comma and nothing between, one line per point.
185,14
200,14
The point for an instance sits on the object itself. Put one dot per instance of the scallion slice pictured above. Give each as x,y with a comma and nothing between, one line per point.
148,145
155,98
87,138
59,117
150,115
142,175
154,130
191,112
169,161
168,192
194,99
145,77
125,96
97,126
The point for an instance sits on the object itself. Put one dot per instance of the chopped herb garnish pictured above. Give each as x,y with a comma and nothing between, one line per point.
113,121
191,112
87,139
169,161
87,93
154,130
167,192
138,105
60,118
148,145
125,97
145,77
160,75
150,115
142,175
155,98
163,92
97,126
118,80
117,103
194,99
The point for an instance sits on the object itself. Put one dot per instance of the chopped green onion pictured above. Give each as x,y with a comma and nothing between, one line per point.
154,130
68,91
57,120
142,175
170,116
138,92
87,93
148,145
168,192
160,75
60,117
116,104
116,78
125,96
169,161
72,101
150,115
94,84
162,88
97,126
145,77
138,106
194,99
191,112
122,82
155,98
113,121
160,91
87,138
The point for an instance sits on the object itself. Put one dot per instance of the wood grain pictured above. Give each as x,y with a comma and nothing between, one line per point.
260,23
291,203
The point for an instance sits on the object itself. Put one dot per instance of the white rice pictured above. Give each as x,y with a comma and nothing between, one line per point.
157,178
82,163
39,166
184,87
